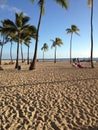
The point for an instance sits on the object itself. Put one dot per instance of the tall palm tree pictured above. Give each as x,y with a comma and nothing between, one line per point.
18,27
11,50
73,29
22,57
26,38
3,41
44,48
63,3
55,43
28,45
1,44
90,4
27,42
10,38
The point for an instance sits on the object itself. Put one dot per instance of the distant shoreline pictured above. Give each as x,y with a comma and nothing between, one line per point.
58,59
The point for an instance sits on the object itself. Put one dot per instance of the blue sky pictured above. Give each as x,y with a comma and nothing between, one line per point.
54,23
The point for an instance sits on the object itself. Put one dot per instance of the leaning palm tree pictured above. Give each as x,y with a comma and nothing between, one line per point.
44,48
90,4
73,29
55,43
63,3
18,28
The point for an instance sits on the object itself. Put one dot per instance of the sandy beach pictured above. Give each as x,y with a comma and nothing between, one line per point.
51,97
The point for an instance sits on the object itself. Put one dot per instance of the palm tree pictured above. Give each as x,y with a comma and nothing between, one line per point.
22,53
44,48
10,38
63,3
28,45
1,44
11,50
20,26
55,43
90,4
4,41
27,42
73,29
26,38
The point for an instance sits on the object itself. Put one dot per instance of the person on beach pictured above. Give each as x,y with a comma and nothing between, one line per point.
19,67
76,63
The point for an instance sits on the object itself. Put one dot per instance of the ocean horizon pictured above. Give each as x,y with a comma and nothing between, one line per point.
60,59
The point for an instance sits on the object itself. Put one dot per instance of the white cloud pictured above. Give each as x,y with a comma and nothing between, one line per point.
11,9
3,6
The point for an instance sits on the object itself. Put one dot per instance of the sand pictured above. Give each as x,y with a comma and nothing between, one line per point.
51,97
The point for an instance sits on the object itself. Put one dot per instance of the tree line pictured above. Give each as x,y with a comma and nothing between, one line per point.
19,31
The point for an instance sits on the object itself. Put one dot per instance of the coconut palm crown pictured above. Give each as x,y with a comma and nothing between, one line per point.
44,48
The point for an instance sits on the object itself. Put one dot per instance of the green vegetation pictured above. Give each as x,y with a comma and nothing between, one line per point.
44,48
21,32
73,29
55,43
18,30
41,3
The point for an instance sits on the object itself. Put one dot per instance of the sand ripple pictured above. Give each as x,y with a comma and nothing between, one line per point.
61,99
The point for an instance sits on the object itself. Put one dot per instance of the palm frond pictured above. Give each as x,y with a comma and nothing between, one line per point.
90,3
8,23
44,47
75,29
63,3
68,30
77,33
30,30
41,5
18,20
25,20
58,41
21,20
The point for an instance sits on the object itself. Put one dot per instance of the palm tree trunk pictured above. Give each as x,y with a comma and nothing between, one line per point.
71,48
92,65
1,51
33,63
16,66
28,56
11,52
43,55
55,55
22,53
1,54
